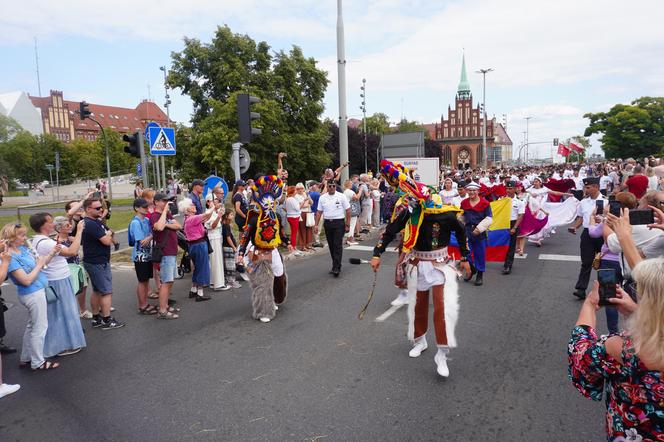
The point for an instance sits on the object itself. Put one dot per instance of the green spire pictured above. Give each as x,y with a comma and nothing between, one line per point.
463,90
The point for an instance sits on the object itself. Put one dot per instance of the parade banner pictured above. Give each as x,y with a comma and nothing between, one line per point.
498,234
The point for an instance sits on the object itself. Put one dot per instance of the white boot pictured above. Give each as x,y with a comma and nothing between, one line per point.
441,360
419,347
402,299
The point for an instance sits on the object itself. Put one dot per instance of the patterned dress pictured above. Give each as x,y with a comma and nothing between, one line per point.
634,394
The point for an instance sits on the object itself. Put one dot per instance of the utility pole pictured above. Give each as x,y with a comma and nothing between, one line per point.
527,134
167,105
363,95
485,153
341,72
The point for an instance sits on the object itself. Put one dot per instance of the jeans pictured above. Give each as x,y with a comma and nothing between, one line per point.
35,330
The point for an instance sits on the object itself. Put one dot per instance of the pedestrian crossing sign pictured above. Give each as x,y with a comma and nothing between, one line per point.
162,140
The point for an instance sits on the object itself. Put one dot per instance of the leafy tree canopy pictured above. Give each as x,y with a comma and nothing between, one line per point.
630,130
291,89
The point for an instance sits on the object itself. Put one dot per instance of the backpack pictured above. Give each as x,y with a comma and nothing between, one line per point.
130,238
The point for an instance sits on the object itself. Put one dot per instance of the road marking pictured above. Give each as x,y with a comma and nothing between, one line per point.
390,311
573,258
370,249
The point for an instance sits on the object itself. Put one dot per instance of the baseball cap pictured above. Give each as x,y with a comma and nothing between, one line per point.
159,196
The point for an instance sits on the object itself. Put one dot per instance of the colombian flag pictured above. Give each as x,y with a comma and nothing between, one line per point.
499,233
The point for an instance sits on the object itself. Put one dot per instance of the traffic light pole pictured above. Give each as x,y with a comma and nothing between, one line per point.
236,160
144,164
108,161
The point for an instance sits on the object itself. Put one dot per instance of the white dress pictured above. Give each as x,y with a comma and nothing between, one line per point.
217,256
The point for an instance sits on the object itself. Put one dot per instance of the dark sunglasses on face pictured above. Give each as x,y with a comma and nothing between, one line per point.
96,208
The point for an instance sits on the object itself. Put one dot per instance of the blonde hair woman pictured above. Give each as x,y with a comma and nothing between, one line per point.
629,366
25,271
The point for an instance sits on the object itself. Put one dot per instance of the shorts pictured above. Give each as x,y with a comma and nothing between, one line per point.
100,277
143,271
168,268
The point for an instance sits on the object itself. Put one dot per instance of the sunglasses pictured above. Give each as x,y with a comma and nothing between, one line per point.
96,208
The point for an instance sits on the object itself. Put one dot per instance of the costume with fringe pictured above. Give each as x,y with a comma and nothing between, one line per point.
267,273
427,225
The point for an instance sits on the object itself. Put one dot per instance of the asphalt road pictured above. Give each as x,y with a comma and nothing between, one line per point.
316,372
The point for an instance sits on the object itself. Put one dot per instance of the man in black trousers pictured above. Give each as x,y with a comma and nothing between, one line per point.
334,207
516,216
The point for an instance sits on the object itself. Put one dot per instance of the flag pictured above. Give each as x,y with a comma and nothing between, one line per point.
563,150
576,148
499,233
564,186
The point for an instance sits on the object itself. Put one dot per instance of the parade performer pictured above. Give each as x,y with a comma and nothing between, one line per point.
477,219
516,216
427,226
267,274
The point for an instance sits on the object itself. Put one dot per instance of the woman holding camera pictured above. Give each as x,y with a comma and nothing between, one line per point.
215,202
194,230
25,271
65,334
629,366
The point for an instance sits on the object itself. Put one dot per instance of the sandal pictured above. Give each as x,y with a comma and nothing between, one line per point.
174,309
167,315
47,365
153,295
148,310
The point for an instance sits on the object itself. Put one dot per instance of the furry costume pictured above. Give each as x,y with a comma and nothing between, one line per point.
263,230
427,225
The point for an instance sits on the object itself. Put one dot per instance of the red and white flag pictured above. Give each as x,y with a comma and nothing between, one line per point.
563,150
576,148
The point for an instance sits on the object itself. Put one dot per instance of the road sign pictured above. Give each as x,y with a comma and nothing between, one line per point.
147,131
245,160
162,140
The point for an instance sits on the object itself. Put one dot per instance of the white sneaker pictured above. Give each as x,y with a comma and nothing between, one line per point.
419,347
236,285
441,364
264,319
87,314
244,276
6,389
402,299
223,288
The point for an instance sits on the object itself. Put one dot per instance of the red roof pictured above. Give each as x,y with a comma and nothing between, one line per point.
354,123
118,118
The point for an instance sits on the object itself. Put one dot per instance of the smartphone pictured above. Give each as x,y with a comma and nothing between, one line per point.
614,207
641,216
608,279
599,207
173,208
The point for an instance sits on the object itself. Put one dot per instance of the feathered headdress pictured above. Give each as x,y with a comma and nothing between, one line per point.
266,191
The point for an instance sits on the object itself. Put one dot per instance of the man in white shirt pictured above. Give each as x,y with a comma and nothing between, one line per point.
334,207
589,246
516,216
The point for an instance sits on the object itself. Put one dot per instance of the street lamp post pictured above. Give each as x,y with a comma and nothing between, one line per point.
364,119
485,154
527,134
167,105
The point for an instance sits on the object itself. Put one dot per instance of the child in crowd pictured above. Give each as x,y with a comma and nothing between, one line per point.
230,249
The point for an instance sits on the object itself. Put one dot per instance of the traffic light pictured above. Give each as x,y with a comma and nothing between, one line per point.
133,147
245,116
83,110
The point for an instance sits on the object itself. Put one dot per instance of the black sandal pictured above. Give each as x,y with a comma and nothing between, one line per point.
47,365
148,310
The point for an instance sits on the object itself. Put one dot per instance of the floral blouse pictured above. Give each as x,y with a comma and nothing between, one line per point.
634,395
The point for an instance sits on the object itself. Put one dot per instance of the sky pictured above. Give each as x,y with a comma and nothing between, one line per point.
552,61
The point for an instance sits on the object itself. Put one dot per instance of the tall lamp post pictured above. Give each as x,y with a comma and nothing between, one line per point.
485,154
167,105
364,119
527,135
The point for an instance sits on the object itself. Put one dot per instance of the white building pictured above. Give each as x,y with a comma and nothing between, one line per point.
18,106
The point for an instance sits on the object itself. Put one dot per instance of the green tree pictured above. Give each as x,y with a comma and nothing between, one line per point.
411,126
291,89
634,130
8,128
378,124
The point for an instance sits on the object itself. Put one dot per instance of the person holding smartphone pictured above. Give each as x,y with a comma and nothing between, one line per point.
589,246
628,367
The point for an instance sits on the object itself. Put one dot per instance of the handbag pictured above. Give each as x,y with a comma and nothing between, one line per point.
311,219
597,260
355,208
158,250
51,295
209,244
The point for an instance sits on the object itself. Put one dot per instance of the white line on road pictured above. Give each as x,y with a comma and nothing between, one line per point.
369,248
390,311
573,258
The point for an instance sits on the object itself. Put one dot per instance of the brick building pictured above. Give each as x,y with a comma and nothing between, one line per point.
61,119
460,134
